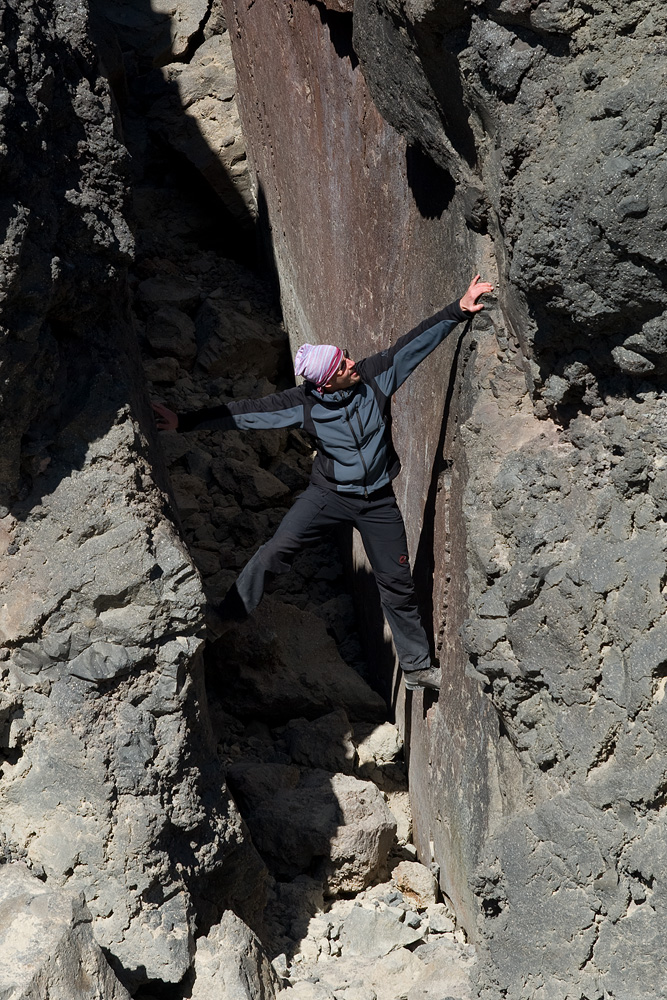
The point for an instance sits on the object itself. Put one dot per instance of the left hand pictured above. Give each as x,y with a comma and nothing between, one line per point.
165,419
476,288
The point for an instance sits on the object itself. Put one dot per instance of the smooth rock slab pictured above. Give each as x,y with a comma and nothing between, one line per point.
377,932
46,944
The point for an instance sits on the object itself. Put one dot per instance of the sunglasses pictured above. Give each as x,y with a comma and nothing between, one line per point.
341,369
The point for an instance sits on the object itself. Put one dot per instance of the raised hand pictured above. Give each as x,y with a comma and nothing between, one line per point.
165,419
476,288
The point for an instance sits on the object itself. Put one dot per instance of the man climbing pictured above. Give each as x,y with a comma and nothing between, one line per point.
345,407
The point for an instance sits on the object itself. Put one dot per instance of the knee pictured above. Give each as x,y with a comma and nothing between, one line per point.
399,592
279,549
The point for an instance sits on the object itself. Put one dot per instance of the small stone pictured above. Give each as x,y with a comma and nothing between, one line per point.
171,331
416,882
374,933
634,206
440,920
631,362
162,371
408,852
305,990
280,966
324,743
310,950
377,745
364,992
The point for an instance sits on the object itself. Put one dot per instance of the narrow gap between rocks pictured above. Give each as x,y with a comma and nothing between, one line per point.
342,907
318,775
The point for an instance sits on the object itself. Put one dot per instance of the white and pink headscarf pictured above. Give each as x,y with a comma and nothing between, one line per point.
317,362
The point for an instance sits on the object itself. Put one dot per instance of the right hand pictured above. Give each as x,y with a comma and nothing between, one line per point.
165,419
476,288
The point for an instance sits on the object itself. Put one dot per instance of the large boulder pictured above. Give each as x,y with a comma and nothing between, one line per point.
47,947
108,775
300,819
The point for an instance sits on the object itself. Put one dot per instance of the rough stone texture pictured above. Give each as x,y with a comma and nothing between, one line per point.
46,944
230,962
565,545
108,783
197,114
416,882
377,932
538,778
305,820
378,946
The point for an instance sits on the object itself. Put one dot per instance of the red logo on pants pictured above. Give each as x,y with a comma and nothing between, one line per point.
402,560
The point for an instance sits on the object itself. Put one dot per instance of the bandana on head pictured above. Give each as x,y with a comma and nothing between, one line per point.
317,362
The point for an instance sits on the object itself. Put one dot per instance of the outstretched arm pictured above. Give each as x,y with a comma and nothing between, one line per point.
391,367
280,409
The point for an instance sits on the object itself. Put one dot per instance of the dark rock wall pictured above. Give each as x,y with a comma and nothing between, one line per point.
108,781
523,139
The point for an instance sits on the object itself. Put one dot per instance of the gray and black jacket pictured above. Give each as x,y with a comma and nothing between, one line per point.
351,427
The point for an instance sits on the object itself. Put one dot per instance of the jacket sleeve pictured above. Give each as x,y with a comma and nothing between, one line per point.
280,409
391,367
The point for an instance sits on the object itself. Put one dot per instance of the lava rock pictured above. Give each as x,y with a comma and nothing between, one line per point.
230,961
46,943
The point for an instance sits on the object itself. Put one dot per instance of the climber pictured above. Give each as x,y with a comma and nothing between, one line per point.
345,406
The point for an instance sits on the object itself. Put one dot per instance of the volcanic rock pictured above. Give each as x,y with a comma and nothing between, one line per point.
46,943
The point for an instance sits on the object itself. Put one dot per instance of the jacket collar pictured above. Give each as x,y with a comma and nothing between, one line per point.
340,396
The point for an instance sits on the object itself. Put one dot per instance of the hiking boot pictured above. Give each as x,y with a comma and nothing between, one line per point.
216,626
221,618
428,677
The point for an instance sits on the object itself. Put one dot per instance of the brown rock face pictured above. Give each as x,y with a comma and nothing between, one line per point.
369,240
363,245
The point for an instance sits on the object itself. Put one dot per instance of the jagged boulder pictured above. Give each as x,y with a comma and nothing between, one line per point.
47,947
300,819
230,962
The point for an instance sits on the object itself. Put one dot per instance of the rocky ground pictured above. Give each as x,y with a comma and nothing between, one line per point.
318,775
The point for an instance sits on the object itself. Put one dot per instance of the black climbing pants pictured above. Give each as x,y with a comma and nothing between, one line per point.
380,524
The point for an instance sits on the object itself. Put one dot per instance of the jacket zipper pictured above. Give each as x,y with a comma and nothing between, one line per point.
358,444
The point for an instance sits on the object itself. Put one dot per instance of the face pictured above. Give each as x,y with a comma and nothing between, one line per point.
345,377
